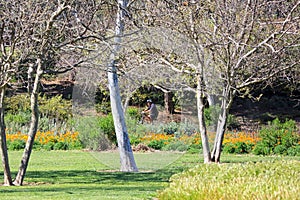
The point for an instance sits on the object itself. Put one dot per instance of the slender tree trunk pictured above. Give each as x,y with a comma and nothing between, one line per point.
212,99
216,152
33,127
202,126
226,102
126,155
3,149
126,103
169,106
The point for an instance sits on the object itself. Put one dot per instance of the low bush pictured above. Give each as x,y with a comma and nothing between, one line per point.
239,143
171,128
176,146
260,180
157,141
169,142
195,148
106,124
91,134
103,107
278,138
157,144
17,144
134,113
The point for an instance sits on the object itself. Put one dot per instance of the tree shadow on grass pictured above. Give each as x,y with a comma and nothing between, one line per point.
141,181
92,184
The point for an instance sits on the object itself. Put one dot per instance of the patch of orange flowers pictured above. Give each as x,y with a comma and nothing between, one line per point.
233,137
247,138
46,137
155,136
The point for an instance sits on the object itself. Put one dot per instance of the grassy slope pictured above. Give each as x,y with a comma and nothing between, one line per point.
86,175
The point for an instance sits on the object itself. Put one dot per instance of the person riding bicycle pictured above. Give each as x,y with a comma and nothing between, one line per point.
150,113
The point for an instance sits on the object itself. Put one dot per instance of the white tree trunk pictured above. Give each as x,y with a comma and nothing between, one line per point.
126,155
216,152
227,99
202,126
3,148
126,103
212,99
33,127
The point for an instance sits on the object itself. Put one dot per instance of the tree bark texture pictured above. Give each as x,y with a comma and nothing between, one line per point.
126,155
3,149
169,106
226,102
202,126
33,127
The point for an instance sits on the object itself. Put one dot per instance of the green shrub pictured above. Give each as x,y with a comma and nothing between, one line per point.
229,148
103,107
106,124
37,145
294,150
18,103
75,145
55,112
135,140
91,136
277,138
49,146
55,108
232,122
187,128
176,146
156,144
170,128
18,121
21,118
61,146
242,147
195,148
238,147
134,113
16,145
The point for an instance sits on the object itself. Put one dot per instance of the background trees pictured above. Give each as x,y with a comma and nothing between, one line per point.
237,44
39,38
220,49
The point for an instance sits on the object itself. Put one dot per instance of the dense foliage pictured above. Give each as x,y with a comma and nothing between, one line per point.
279,138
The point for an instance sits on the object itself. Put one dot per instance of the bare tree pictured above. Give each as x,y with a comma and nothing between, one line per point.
40,37
41,48
237,44
10,34
126,154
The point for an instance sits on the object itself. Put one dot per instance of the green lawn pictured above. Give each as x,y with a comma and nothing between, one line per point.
94,175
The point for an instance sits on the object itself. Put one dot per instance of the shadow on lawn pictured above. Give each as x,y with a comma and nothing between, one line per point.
77,181
98,177
95,177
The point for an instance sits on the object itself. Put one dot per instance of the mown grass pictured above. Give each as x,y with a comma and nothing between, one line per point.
94,175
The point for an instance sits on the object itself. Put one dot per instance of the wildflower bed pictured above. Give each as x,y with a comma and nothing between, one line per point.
45,140
234,142
276,138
